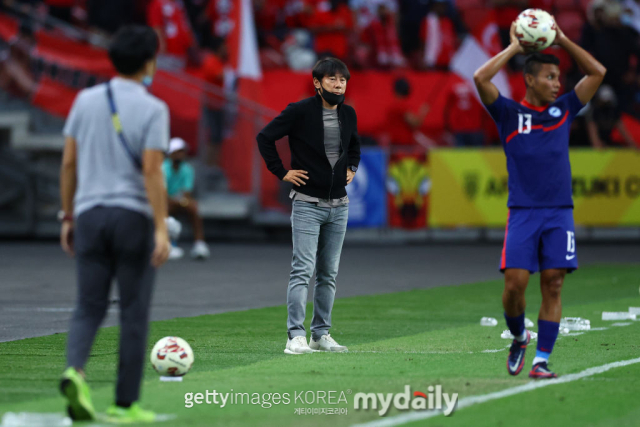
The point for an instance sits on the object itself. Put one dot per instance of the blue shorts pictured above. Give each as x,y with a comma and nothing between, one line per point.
538,239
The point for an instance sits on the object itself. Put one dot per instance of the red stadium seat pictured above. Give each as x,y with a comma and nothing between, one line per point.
463,5
565,5
571,23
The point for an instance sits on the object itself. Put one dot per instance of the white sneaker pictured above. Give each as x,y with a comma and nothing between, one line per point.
176,253
200,250
327,343
174,227
298,345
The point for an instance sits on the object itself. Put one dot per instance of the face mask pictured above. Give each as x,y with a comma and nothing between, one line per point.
147,81
331,98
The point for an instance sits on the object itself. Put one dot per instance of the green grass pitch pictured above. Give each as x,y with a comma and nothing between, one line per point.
417,338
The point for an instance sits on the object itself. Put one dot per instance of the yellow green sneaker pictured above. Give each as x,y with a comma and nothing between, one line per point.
76,391
132,414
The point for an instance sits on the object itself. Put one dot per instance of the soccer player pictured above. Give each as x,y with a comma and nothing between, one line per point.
114,205
325,154
540,230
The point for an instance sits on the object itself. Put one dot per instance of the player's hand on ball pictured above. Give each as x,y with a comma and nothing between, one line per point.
514,39
559,34
161,250
296,177
350,175
66,237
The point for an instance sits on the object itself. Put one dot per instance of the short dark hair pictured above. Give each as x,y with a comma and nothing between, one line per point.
330,67
534,62
132,47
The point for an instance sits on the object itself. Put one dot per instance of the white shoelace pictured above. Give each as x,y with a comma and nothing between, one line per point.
330,340
300,340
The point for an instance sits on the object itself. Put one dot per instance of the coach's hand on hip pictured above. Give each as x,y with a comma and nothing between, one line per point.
161,251
350,175
296,177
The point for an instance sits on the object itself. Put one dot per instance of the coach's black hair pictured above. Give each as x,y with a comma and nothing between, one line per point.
330,67
132,47
534,62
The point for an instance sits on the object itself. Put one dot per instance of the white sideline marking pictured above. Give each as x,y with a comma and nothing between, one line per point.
494,351
473,400
604,328
426,352
621,324
407,352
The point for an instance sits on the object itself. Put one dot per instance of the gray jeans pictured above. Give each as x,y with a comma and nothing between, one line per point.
318,234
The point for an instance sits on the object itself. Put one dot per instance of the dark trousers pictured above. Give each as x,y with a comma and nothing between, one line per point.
113,243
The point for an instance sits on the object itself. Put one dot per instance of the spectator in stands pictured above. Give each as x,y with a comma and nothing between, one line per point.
16,68
61,9
169,20
411,15
378,29
196,11
602,117
219,13
506,12
110,15
439,37
614,45
214,66
179,177
464,115
631,14
403,122
332,24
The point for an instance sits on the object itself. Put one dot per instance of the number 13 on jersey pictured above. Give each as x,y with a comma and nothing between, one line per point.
524,123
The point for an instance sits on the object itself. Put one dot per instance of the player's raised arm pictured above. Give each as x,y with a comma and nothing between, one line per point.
594,70
483,75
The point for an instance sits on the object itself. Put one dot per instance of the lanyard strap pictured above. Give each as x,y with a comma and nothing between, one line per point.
117,125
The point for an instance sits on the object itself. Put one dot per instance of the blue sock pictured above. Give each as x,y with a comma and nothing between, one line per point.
547,335
515,324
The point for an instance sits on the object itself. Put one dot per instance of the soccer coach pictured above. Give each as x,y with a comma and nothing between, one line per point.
325,153
113,216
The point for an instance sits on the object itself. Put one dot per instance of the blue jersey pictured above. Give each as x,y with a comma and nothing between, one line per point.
536,142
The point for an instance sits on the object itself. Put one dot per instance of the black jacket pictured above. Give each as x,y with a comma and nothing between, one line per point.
302,122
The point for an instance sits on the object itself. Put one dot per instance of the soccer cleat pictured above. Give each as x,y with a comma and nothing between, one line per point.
76,391
515,361
132,414
298,345
200,250
327,343
541,371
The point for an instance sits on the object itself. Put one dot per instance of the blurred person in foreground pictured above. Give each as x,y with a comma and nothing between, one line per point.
325,154
540,234
114,205
179,177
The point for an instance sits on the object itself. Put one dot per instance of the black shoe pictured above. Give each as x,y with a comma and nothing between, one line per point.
515,361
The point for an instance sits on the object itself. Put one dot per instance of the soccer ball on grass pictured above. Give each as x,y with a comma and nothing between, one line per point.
172,357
